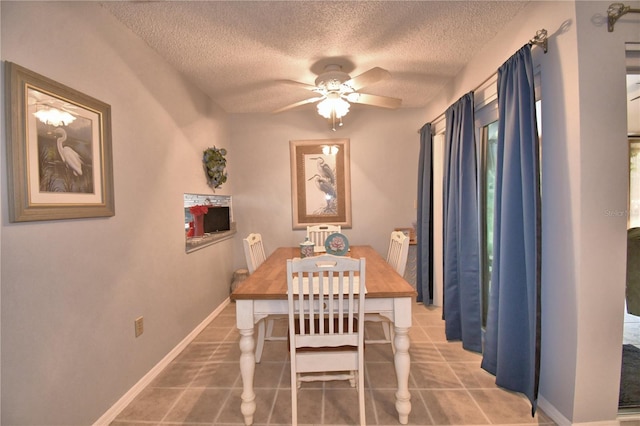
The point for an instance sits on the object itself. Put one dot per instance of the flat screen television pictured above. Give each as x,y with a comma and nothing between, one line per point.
217,220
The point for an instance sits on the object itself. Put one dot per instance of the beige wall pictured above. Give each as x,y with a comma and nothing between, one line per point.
384,161
71,289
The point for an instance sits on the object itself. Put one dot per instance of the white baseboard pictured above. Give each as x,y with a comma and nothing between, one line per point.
604,423
552,412
629,417
126,399
561,420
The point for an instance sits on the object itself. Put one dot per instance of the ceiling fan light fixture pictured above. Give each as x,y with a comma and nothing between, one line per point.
353,97
332,79
54,116
330,149
333,106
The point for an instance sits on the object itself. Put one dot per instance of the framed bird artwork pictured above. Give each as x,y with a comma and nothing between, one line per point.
59,158
320,182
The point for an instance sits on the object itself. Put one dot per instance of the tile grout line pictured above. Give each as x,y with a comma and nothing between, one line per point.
424,402
204,364
226,400
233,385
275,397
184,390
448,362
370,391
471,396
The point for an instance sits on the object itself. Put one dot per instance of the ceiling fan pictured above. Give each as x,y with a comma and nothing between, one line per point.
336,90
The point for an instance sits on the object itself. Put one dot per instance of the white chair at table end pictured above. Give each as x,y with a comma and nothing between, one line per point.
318,234
397,258
253,251
254,254
398,251
333,341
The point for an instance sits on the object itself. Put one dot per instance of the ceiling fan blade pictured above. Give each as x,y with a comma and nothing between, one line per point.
637,97
367,78
298,84
375,100
297,104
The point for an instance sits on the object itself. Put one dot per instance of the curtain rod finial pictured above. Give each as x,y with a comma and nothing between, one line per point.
540,39
615,12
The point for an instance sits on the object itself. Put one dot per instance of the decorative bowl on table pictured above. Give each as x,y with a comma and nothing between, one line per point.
336,244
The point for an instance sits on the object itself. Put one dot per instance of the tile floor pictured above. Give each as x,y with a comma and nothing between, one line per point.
448,387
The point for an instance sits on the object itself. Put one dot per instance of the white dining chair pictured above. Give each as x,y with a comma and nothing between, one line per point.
396,257
254,254
253,251
398,252
326,293
318,235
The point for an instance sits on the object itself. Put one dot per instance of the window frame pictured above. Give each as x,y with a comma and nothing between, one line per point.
484,116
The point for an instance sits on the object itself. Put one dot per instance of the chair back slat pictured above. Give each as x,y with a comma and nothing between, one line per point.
398,251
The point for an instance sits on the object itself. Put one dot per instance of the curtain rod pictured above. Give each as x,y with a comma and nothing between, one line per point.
540,40
485,81
615,12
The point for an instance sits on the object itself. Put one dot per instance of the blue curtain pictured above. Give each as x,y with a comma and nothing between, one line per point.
424,226
461,230
512,340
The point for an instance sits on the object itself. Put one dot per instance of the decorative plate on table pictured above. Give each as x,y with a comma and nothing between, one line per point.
337,244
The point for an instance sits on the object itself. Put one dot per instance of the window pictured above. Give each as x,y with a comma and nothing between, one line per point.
487,136
489,146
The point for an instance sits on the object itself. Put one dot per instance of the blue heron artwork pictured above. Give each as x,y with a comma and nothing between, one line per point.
321,188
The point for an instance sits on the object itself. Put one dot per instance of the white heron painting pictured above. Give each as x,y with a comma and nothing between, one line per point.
59,148
64,143
65,163
320,186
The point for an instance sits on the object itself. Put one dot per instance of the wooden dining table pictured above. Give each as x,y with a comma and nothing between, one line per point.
264,293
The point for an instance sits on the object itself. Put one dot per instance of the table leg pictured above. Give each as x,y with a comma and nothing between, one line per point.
247,368
244,322
402,363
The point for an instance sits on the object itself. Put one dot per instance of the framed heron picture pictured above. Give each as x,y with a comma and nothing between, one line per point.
59,159
320,182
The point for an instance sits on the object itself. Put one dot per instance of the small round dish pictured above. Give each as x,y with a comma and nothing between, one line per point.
337,244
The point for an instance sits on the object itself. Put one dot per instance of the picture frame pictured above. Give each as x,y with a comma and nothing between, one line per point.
320,182
59,154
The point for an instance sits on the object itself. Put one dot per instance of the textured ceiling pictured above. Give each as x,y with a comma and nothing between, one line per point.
236,51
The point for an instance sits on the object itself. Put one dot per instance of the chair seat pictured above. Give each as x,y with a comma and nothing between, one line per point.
307,326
